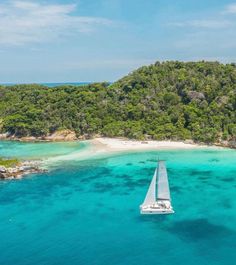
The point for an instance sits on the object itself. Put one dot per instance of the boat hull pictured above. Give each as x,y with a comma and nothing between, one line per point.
160,207
154,211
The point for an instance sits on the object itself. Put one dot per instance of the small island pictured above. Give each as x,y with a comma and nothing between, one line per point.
15,169
165,101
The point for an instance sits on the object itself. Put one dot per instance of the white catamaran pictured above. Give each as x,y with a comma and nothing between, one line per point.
157,200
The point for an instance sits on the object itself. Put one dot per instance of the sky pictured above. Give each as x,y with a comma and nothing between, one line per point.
103,40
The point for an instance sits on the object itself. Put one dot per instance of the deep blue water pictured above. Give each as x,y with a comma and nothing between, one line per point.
87,212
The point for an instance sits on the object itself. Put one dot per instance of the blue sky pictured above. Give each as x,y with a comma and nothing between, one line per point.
98,40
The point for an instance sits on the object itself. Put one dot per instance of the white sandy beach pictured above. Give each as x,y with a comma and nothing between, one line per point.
119,145
103,147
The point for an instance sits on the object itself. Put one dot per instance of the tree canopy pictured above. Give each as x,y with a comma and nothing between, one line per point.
169,100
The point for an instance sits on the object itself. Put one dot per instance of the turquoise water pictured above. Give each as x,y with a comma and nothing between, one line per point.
39,149
87,212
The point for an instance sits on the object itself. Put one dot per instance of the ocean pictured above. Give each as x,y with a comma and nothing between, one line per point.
87,212
52,84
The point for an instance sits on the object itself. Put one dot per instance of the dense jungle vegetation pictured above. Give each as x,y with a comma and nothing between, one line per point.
169,100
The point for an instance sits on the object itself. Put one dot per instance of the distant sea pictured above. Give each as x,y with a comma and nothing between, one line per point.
52,84
87,212
63,84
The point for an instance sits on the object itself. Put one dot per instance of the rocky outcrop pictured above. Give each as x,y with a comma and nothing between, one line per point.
232,144
24,168
194,95
2,169
63,135
189,141
3,172
28,139
227,144
222,100
4,136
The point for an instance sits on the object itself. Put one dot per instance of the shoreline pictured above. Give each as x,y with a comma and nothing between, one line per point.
69,136
106,147
120,144
98,148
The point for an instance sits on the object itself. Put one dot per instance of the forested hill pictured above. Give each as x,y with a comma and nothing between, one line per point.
170,100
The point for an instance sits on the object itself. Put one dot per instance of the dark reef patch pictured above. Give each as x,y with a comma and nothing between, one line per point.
68,214
142,182
152,160
146,169
229,179
120,193
226,204
90,178
123,176
66,193
195,172
175,189
199,229
171,171
129,184
132,184
104,171
204,180
103,187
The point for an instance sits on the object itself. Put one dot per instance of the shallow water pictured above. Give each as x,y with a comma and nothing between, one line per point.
38,150
87,212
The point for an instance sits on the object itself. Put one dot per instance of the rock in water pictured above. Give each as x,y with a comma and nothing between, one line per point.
3,169
4,175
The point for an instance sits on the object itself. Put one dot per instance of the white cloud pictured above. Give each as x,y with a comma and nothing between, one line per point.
231,9
220,20
23,22
206,24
